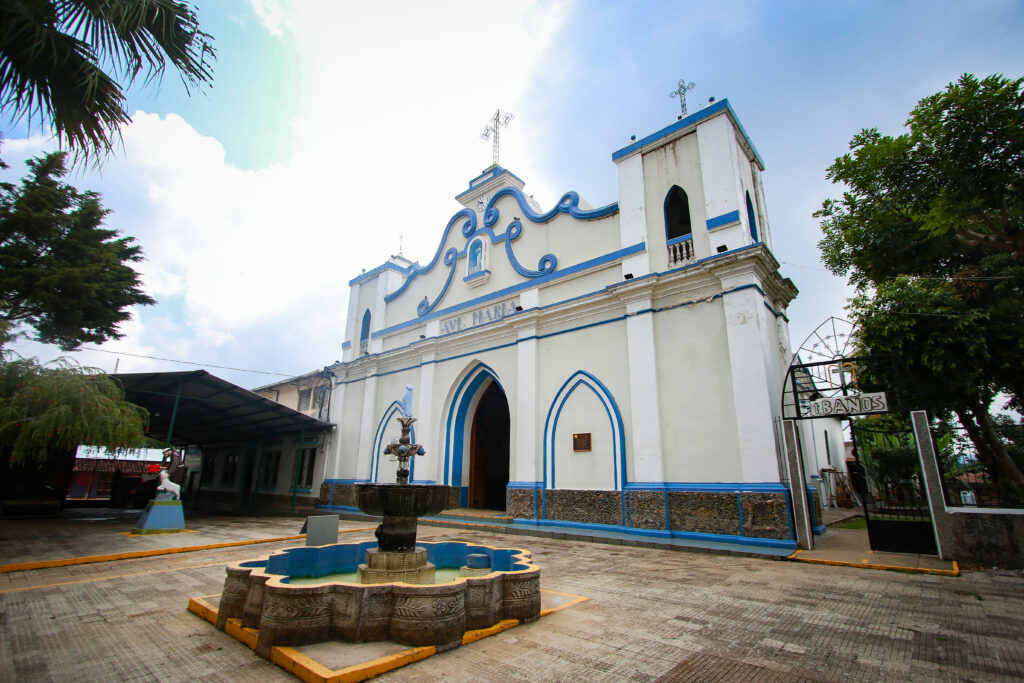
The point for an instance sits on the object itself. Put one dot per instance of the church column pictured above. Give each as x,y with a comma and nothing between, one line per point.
366,424
425,419
525,447
333,470
645,410
745,318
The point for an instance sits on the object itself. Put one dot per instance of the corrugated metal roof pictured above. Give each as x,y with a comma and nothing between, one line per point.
211,410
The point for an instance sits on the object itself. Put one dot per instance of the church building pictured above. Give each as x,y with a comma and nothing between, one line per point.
574,366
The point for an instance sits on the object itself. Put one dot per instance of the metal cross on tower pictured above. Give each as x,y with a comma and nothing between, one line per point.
497,121
681,91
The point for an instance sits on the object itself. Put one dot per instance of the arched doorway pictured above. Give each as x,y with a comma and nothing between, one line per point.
489,450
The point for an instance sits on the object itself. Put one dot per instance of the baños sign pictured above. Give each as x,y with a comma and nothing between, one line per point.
854,404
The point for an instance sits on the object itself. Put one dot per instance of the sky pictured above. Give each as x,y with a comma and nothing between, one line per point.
336,133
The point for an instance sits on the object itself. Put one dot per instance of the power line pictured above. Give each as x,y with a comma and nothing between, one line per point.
187,362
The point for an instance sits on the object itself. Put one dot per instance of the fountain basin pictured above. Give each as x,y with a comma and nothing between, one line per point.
400,505
260,593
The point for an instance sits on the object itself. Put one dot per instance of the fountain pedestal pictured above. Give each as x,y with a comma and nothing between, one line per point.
384,567
396,557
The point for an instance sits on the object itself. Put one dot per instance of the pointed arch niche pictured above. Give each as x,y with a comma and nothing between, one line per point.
463,404
584,405
382,469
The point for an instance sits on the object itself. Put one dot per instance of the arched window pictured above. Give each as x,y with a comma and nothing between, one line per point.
677,214
751,218
364,332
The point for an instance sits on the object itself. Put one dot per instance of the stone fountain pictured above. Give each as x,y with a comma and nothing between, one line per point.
311,594
400,504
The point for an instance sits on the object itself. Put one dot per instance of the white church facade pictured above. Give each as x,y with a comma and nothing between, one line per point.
617,366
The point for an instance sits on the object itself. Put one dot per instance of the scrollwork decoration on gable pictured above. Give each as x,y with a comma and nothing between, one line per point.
450,258
468,228
569,203
547,263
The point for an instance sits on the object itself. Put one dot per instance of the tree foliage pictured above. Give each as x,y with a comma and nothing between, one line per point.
929,231
46,409
60,60
61,272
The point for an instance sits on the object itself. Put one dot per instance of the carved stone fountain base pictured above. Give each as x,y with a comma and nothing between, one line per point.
385,567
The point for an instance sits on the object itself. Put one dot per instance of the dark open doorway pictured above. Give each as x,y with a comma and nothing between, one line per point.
489,451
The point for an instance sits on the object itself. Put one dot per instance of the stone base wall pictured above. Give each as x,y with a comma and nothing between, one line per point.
745,513
986,539
520,503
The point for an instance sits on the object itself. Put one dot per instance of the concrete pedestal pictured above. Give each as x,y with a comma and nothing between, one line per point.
161,517
385,566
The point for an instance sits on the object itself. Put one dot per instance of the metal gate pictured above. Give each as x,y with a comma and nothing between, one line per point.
887,478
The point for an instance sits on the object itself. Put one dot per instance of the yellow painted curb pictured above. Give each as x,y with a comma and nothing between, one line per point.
204,609
113,557
309,670
480,633
955,571
234,628
576,599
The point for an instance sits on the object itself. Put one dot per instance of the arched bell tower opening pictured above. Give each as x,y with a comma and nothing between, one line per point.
489,450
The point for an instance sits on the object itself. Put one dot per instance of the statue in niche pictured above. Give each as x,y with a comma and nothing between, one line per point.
476,256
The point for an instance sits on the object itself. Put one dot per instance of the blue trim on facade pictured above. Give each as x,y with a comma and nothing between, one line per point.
661,533
546,265
685,122
553,334
346,345
709,487
524,484
569,203
724,219
346,481
415,269
495,172
455,425
375,272
477,274
614,418
677,240
617,255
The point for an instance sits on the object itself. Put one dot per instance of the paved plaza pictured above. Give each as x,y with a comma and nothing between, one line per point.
650,614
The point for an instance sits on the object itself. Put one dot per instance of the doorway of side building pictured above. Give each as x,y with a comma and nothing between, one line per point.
489,451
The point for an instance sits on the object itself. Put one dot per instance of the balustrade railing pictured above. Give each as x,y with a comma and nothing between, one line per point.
680,253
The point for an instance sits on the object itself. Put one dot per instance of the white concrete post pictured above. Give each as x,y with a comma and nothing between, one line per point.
525,450
633,214
752,400
364,455
643,393
425,418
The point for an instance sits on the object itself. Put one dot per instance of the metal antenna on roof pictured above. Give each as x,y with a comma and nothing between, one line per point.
681,91
497,121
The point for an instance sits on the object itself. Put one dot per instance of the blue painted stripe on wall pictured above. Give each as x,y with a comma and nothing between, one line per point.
709,487
677,240
529,284
704,113
542,336
724,219
376,271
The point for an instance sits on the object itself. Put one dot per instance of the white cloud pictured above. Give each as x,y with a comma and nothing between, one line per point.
272,14
251,267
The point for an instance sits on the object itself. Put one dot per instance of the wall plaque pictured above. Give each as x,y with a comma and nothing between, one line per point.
581,442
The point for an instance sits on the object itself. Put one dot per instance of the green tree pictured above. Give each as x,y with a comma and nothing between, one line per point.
49,409
928,230
55,56
61,272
